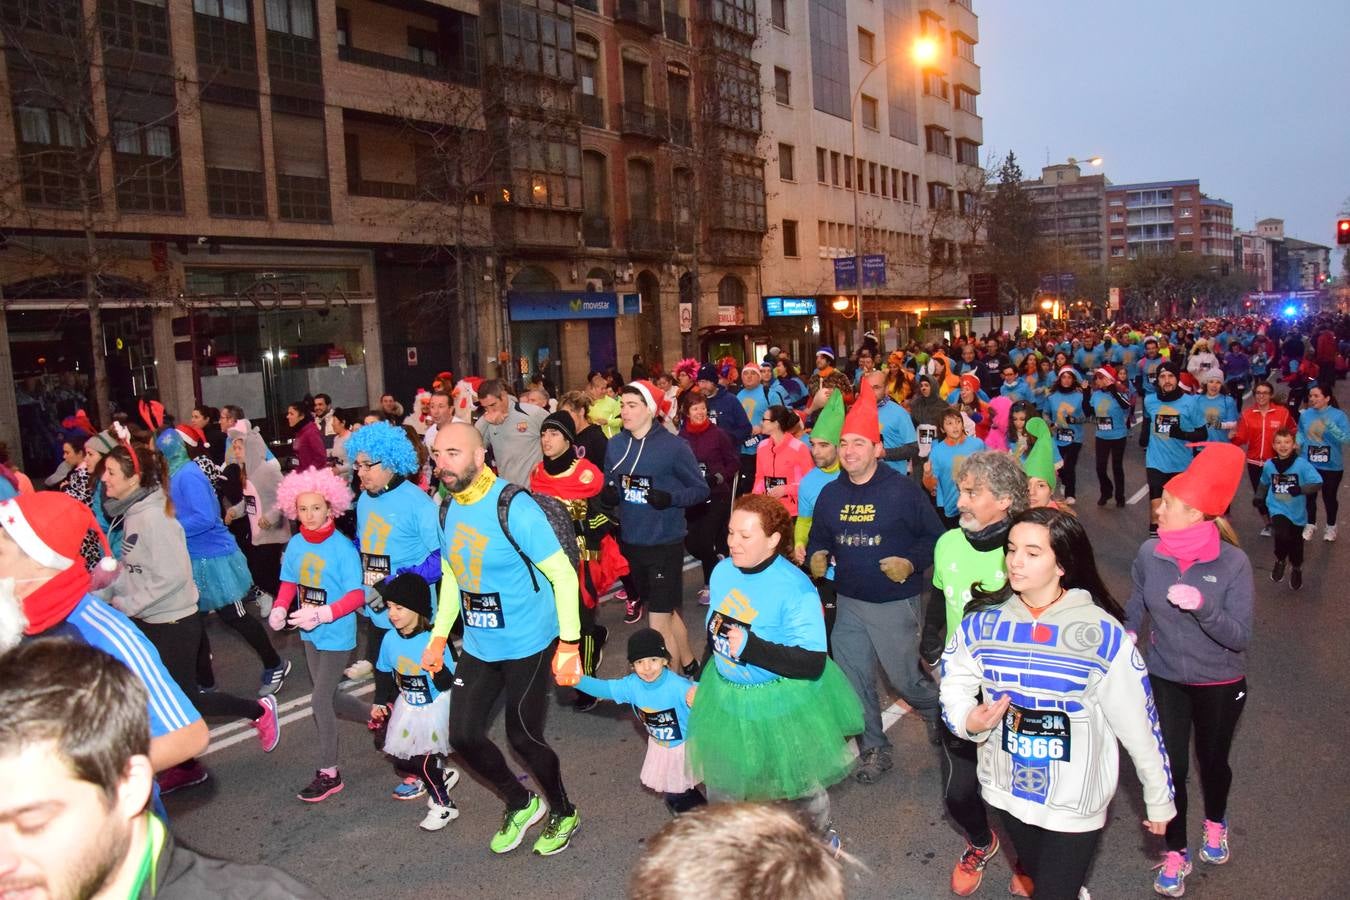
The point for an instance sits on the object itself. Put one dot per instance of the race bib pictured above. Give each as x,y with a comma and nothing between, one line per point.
636,488
1064,435
1152,377
1105,422
1034,736
1164,422
1318,453
926,434
312,596
375,568
712,416
1284,485
482,610
718,626
753,441
770,483
414,688
250,504
663,725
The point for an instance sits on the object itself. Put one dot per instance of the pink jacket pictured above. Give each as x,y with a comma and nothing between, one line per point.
788,459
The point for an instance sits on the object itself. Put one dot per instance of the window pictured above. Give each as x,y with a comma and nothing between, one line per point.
738,88
148,173
938,140
1186,229
869,112
1117,251
862,171
895,184
966,202
230,10
1117,217
820,165
866,45
546,165
782,86
834,168
965,100
47,150
830,89
848,171
963,47
140,26
302,168
232,150
1186,212
785,163
790,238
1185,247
291,17
536,41
778,14
1184,195
422,47
939,195
934,85
967,152
885,181
871,178
344,27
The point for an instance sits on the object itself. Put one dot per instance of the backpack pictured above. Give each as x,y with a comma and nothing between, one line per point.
559,519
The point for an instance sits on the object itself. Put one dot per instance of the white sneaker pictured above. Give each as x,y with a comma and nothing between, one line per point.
1309,531
359,670
438,816
1330,535
703,597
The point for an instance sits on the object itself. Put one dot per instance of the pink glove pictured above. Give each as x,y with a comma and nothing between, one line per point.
277,618
308,617
1183,596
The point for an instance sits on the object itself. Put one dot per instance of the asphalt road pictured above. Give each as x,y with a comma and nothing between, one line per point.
1287,810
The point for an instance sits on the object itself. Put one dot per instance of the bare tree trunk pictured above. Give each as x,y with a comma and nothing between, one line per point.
101,395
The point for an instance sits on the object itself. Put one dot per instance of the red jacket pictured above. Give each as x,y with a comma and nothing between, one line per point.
1256,431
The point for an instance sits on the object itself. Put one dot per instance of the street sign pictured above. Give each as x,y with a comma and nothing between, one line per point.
874,270
984,291
846,273
1115,298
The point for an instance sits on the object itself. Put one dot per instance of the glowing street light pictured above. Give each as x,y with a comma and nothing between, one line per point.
925,51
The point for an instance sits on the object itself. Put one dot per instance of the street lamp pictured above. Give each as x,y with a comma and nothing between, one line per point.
924,52
1059,239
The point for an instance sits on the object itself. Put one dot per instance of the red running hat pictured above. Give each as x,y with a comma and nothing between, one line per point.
862,417
1211,480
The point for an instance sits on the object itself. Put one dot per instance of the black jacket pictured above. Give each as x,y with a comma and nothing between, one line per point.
183,874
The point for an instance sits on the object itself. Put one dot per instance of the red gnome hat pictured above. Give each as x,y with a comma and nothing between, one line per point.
49,528
862,417
1211,480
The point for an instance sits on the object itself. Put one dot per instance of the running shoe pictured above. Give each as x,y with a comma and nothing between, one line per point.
185,775
704,597
969,871
1266,532
269,729
621,595
873,762
1277,571
632,612
832,842
601,636
410,788
322,787
516,822
1172,872
1330,534
1215,848
584,702
1309,531
1296,578
359,670
273,679
1153,530
1021,884
557,834
438,816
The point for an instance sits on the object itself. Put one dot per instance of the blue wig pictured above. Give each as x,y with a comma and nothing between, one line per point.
386,444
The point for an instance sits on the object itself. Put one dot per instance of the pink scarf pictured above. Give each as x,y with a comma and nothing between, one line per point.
1190,545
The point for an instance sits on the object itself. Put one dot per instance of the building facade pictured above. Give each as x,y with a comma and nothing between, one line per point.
1283,263
1168,217
1071,207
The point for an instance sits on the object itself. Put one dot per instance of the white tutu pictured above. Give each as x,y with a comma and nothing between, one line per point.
666,770
416,730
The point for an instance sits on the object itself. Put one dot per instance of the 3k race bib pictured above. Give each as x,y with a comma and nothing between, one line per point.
375,568
250,504
1033,736
414,689
663,725
636,488
1163,423
1285,485
482,610
1064,435
717,630
1319,454
312,596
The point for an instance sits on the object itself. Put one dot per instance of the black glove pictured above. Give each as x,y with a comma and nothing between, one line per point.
658,499
609,494
1072,420
715,480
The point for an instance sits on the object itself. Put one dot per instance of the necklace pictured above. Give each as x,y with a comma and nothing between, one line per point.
1037,610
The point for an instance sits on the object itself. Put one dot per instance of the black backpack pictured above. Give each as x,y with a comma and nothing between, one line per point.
559,519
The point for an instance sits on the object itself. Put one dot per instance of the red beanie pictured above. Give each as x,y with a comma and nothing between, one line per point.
1211,480
971,381
49,528
862,417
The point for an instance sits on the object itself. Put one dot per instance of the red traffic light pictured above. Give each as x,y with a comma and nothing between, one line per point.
1343,231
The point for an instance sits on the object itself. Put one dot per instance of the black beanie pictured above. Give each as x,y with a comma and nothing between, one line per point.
409,591
1169,366
646,643
561,422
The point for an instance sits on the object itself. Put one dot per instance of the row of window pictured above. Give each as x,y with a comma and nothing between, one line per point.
870,177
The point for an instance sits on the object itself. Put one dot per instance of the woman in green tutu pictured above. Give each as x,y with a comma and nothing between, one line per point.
773,711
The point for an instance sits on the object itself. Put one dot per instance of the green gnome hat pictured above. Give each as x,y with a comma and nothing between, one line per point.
1040,462
830,422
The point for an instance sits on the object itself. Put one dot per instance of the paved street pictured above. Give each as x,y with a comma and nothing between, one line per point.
1287,811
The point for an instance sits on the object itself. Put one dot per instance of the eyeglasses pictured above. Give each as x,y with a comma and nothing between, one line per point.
362,466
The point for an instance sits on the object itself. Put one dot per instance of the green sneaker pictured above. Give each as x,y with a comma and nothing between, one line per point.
515,823
557,834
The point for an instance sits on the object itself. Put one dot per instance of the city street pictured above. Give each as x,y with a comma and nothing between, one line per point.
1288,803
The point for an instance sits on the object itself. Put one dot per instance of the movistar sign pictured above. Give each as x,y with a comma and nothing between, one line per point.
532,306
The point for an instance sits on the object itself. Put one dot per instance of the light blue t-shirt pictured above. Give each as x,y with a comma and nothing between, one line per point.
946,460
1284,490
1320,436
323,573
897,429
1018,390
1165,452
754,401
659,704
778,604
1215,411
1066,416
397,529
1148,373
403,657
1112,421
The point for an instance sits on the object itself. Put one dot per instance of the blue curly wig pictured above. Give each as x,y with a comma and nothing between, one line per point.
386,444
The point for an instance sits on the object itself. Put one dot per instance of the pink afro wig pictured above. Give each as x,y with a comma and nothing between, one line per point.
687,366
314,481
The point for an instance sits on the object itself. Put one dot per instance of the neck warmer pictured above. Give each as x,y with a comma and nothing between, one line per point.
478,489
113,507
760,567
990,536
1169,396
1282,464
564,461
393,483
52,602
320,534
697,427
1190,545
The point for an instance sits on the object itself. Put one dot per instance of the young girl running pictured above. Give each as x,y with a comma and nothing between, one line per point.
1288,479
418,726
658,697
322,570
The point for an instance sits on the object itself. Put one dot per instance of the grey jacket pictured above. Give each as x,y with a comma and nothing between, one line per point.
1204,646
155,584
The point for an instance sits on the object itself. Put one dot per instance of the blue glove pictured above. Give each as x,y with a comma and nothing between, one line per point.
429,569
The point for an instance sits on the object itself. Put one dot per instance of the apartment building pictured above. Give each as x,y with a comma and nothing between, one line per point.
1071,208
1168,216
874,150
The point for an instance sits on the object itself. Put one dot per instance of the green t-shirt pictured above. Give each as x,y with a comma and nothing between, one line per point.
957,567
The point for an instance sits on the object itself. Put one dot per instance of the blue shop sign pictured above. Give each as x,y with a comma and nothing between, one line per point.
789,306
535,306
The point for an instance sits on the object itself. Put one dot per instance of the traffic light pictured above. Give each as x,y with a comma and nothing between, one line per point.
1343,231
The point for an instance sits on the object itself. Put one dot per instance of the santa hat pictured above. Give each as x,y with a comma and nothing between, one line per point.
49,527
826,351
862,417
656,400
830,422
1070,369
1211,480
152,414
1040,461
192,436
1188,383
970,381
1107,372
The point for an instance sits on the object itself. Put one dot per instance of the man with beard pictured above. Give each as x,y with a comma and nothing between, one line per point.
75,781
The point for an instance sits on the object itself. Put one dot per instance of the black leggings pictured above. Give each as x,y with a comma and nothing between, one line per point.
1111,451
961,787
1057,861
178,644
526,682
430,767
1331,483
684,802
250,629
706,531
264,564
1212,710
1258,493
1068,473
1288,541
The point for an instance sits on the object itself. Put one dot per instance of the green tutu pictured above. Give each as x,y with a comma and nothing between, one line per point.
775,741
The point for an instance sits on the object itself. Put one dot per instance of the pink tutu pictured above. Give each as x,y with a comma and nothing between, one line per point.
665,769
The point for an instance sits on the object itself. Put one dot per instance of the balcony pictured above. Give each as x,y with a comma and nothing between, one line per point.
589,5
681,131
645,14
650,236
732,17
731,246
449,74
383,190
677,27
646,121
595,231
592,109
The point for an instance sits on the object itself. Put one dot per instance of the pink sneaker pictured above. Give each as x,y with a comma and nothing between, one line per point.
269,729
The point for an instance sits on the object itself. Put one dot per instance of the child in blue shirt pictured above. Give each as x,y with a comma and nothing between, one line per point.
944,463
1287,478
417,728
659,698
